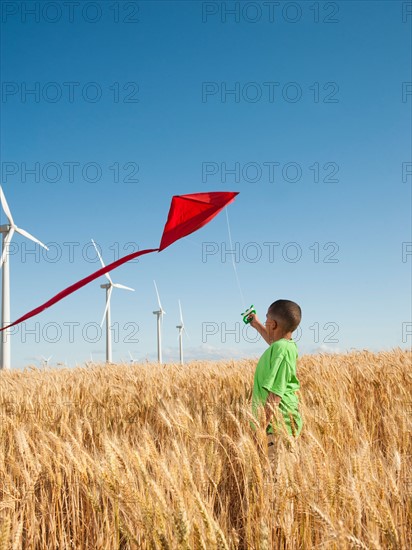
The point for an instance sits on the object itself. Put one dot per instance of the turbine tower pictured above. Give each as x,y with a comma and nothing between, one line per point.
8,231
160,312
182,330
109,288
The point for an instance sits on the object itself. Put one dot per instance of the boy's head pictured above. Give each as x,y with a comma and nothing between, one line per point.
287,315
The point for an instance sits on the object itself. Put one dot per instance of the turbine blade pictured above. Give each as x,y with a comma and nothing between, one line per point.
29,236
107,305
6,242
161,313
181,315
5,207
185,332
158,297
101,261
117,285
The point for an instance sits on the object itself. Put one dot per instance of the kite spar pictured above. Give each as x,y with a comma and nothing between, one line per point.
187,214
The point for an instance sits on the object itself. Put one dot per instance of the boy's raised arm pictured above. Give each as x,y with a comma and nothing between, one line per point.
256,324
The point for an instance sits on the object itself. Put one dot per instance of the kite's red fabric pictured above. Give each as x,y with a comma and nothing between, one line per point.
187,214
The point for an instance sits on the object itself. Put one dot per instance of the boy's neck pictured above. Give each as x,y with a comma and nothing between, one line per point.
280,336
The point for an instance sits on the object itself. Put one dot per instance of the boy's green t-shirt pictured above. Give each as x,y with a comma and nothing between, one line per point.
276,372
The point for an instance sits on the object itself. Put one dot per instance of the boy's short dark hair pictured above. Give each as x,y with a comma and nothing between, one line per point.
288,314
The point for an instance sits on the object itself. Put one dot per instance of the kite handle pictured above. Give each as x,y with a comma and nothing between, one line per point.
248,312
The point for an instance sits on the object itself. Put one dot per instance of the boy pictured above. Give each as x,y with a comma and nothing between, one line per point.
275,380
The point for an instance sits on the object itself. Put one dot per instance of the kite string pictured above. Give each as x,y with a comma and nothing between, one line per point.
233,261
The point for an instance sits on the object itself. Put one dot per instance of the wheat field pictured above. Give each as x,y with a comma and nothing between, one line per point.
148,456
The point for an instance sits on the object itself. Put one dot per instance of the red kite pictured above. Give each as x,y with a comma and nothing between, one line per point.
187,214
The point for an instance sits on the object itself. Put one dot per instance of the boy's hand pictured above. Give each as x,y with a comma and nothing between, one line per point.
254,321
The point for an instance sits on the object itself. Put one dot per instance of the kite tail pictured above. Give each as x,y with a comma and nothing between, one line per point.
187,214
79,284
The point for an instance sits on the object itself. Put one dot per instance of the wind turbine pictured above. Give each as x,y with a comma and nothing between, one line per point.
160,312
182,330
132,359
46,360
8,231
109,288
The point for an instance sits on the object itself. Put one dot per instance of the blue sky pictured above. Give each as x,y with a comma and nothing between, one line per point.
302,107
